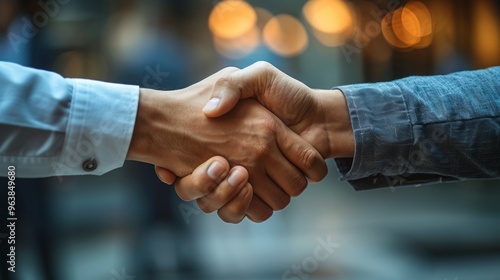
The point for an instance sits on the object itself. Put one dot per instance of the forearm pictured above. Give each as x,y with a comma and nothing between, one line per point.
424,129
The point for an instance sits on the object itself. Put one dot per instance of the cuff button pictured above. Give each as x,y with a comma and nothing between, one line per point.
89,165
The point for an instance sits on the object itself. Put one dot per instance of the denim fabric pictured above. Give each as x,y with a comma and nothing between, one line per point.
424,129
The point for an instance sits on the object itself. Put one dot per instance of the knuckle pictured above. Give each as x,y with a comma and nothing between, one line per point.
264,66
232,215
307,158
235,212
262,150
230,219
236,209
183,196
297,186
202,186
223,81
263,216
281,203
186,194
231,69
205,205
267,123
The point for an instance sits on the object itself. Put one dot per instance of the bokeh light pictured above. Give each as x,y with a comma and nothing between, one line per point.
419,15
232,19
486,35
238,47
242,46
409,26
406,27
388,32
328,16
332,20
263,16
285,35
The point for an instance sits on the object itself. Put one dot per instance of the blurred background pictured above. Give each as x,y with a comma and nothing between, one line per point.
126,225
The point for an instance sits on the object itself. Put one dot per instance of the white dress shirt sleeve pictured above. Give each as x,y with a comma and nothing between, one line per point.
52,126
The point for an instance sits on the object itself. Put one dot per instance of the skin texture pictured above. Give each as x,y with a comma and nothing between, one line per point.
172,132
319,116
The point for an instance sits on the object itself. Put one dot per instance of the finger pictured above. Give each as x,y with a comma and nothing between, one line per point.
258,211
301,154
165,175
234,211
203,179
288,177
270,193
246,83
225,191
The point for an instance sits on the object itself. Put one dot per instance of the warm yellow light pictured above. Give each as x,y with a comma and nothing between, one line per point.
406,27
486,35
263,16
419,11
409,26
388,32
232,19
285,35
329,16
238,47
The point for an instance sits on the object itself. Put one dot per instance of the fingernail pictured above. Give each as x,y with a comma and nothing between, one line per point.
235,178
215,170
212,104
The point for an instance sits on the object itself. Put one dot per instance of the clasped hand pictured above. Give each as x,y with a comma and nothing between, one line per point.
242,158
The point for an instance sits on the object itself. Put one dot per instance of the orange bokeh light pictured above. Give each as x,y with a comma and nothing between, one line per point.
328,16
409,26
232,19
285,35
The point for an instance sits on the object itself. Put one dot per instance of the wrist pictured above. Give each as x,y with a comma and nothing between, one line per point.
162,130
140,146
337,123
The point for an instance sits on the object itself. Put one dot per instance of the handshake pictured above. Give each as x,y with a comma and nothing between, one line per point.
242,142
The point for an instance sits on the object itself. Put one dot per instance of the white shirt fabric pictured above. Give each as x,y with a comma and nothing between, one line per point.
52,126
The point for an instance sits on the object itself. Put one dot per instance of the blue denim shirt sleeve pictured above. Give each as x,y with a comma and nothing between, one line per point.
50,126
424,129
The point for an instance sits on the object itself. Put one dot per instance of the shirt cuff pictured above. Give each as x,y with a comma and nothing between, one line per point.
100,127
379,116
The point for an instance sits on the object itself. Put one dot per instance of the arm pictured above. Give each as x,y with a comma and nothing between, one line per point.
58,126
51,126
412,131
424,129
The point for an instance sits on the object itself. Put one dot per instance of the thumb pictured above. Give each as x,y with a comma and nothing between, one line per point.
225,96
250,82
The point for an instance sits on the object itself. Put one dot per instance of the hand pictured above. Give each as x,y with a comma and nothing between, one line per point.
231,193
173,133
319,116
